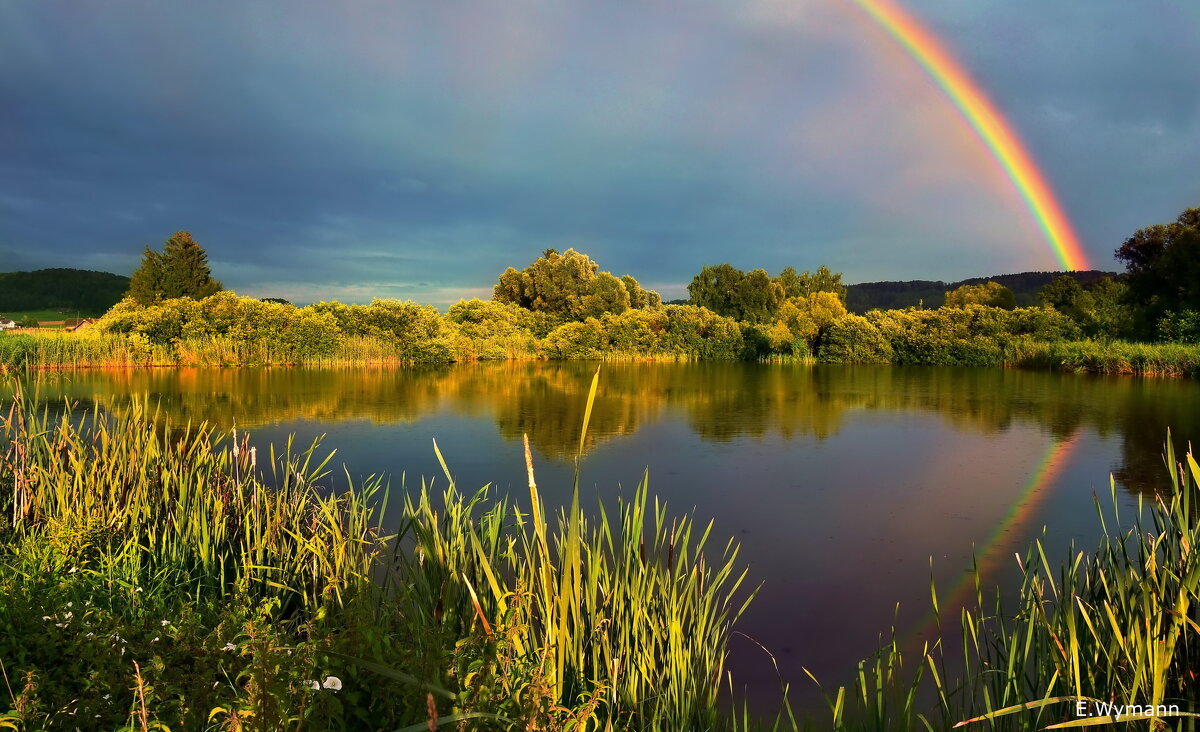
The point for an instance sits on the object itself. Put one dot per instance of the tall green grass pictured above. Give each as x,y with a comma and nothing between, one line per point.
1107,357
478,611
474,609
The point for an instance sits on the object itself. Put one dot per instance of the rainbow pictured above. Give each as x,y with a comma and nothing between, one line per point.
1022,510
985,119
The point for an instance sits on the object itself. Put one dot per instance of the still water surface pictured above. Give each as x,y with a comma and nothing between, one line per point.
846,486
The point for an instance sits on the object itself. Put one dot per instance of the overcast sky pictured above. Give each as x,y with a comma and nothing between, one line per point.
415,148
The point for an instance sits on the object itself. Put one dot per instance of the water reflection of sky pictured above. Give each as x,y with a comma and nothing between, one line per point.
848,488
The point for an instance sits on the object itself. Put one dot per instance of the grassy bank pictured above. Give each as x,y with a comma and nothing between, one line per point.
181,578
177,577
1111,357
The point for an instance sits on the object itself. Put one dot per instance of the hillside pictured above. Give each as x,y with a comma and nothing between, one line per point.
931,293
71,290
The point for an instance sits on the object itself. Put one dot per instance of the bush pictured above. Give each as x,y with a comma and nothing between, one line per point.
1182,327
854,339
577,340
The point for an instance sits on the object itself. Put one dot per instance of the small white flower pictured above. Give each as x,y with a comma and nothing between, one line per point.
154,640
70,604
47,617
332,682
229,647
106,696
60,625
137,589
315,685
165,623
69,615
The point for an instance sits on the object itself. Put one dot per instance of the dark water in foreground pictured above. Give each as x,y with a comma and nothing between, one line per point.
847,486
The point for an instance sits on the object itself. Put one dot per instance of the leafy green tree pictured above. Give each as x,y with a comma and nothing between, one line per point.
639,297
806,283
992,294
757,297
1163,266
607,295
1105,311
1063,294
180,270
716,288
569,284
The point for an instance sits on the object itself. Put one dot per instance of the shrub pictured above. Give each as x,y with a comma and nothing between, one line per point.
854,339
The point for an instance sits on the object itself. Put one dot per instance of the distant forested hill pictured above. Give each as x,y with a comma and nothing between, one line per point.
931,293
90,293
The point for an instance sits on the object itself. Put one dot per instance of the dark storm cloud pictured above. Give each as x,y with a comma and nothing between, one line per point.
415,150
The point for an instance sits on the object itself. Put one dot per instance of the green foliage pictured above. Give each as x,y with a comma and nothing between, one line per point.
991,294
180,270
253,598
70,291
1163,265
973,335
489,330
577,340
807,283
570,285
756,297
1099,309
1063,294
1183,327
670,331
607,294
854,339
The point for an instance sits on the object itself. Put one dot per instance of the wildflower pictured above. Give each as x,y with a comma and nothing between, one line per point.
154,639
60,625
332,682
314,685
69,604
47,617
165,623
229,647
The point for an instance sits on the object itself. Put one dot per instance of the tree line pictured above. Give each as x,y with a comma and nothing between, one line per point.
562,305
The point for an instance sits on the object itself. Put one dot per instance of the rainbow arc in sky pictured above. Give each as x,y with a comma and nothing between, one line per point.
988,124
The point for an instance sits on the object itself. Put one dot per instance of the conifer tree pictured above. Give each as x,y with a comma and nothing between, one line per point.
180,270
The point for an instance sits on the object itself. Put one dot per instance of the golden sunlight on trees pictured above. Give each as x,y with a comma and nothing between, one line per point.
571,285
992,294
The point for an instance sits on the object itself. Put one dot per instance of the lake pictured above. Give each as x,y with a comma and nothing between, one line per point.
846,486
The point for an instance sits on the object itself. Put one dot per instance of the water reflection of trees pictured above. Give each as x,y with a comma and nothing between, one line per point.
720,401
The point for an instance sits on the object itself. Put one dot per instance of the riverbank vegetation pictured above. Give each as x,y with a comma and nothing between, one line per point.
563,307
176,578
162,576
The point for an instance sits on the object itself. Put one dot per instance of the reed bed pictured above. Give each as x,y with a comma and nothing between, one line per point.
1108,357
474,613
170,575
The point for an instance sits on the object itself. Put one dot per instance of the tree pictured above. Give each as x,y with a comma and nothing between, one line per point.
607,295
992,294
1163,265
716,288
806,283
1063,294
180,270
570,284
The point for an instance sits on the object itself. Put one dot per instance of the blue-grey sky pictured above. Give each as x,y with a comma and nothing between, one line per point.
415,148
